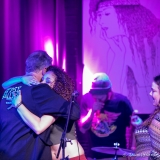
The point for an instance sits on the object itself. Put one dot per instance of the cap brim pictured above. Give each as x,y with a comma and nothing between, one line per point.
99,91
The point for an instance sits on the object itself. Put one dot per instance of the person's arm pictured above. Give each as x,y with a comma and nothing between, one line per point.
128,111
130,137
133,121
133,147
136,121
38,125
11,82
86,119
28,80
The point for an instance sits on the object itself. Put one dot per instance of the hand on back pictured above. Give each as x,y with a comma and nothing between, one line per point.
29,80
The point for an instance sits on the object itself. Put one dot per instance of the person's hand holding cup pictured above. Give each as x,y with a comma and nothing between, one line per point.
135,119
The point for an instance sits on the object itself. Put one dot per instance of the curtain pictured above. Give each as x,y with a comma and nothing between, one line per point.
26,26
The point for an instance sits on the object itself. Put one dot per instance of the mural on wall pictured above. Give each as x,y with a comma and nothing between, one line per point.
122,38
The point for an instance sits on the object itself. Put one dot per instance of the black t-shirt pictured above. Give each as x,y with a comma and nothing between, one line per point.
109,124
60,125
17,140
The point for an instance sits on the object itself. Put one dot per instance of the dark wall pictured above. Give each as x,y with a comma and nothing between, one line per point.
74,41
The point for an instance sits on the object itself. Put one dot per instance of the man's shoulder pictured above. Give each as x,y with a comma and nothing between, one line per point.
120,97
42,89
41,85
87,96
123,101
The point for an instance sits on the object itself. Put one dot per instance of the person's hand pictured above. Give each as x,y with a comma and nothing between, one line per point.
97,106
136,120
29,80
15,100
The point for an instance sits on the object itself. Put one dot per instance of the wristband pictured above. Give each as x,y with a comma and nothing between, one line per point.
18,105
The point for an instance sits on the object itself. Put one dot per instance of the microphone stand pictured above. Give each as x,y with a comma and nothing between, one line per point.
116,148
115,155
64,140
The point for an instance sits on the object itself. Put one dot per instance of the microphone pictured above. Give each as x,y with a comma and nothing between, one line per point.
75,94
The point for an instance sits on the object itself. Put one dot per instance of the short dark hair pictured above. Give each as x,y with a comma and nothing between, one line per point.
37,61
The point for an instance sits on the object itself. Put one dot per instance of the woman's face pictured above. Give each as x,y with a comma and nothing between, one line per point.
49,78
155,94
107,19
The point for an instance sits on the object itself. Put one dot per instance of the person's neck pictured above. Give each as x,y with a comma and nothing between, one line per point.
110,95
35,75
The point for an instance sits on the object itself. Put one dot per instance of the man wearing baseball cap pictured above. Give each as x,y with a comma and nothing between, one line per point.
105,117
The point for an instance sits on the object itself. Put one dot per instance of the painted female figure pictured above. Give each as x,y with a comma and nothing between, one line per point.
132,36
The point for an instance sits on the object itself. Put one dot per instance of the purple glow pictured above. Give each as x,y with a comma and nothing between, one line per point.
64,59
64,64
84,119
87,79
48,46
57,53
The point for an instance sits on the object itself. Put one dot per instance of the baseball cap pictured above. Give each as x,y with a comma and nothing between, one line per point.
101,84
